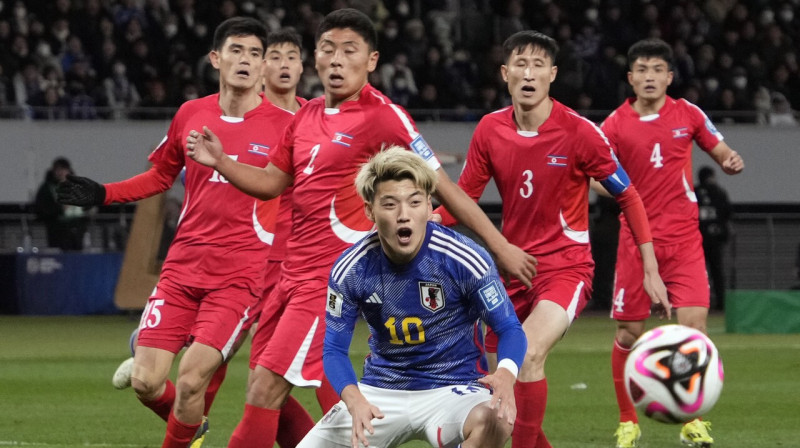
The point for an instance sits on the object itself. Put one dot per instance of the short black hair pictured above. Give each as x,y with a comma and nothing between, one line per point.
353,19
62,162
520,40
240,26
285,36
705,173
648,49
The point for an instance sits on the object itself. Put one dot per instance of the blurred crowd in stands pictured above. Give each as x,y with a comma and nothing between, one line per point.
92,59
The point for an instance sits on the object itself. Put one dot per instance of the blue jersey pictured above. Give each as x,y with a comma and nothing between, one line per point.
424,317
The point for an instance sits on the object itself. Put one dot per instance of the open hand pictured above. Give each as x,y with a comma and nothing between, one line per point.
204,148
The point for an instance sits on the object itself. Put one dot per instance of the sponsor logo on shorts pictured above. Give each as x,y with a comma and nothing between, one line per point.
431,295
331,414
491,296
334,306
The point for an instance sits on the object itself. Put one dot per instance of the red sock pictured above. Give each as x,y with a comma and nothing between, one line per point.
179,434
619,354
213,386
326,396
531,402
294,424
162,405
257,428
541,440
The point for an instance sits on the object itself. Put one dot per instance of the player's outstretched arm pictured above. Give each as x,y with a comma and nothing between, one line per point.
82,191
511,260
362,412
729,160
266,183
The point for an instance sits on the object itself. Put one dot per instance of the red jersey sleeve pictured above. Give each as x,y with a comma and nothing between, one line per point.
281,157
476,173
397,127
596,155
705,133
168,160
609,128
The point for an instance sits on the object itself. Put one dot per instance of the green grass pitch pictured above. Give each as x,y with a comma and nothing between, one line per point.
55,388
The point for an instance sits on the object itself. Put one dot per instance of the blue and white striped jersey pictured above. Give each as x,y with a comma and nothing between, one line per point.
424,317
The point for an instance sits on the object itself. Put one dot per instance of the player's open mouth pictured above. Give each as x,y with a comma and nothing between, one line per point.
243,73
529,89
286,76
404,235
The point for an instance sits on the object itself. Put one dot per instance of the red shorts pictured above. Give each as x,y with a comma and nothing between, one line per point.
269,319
682,267
177,314
571,288
271,276
293,323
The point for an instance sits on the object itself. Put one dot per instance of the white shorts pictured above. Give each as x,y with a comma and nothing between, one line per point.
436,416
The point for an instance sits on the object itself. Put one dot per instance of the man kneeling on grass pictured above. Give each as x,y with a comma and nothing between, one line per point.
423,290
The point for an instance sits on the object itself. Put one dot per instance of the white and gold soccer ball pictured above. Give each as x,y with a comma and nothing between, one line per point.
674,374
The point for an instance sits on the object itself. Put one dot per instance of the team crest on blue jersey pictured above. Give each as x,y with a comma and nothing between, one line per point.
340,138
680,132
554,160
491,296
258,149
431,295
420,146
334,305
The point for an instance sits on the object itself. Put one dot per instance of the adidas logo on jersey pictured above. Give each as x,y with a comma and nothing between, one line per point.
374,299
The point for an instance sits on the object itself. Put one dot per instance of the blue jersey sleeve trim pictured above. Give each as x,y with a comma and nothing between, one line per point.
336,362
617,182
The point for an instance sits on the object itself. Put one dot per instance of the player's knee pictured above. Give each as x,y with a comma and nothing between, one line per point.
146,387
190,384
265,391
626,338
534,357
488,430
628,333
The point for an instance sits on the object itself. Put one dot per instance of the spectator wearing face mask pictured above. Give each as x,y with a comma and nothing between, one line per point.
781,113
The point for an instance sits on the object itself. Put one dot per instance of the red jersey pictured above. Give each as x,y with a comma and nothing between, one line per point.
323,149
219,240
656,152
542,177
282,225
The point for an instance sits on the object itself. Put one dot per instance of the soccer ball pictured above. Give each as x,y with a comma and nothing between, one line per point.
674,374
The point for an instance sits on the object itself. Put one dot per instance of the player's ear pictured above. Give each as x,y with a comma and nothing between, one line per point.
670,76
213,56
553,73
504,72
630,77
372,62
368,211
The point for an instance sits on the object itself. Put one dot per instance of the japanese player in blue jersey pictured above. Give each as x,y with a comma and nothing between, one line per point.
424,291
